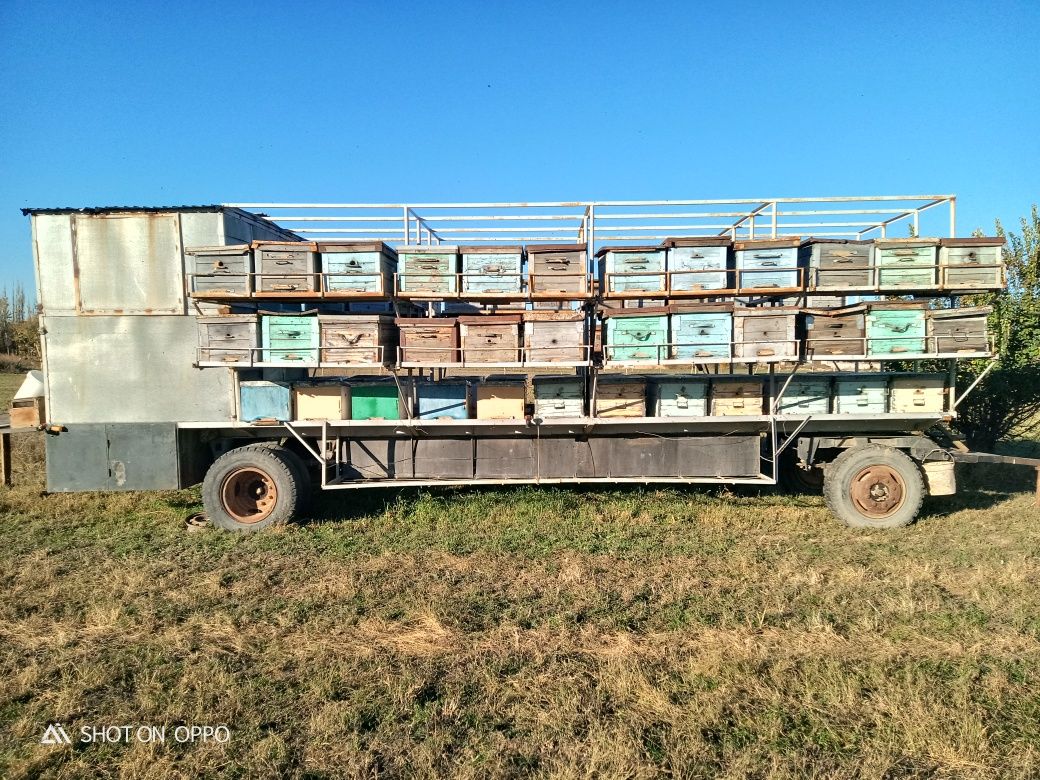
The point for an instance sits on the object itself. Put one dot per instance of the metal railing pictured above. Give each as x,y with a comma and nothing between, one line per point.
605,222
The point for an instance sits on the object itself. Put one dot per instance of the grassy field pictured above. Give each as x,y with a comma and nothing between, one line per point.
502,633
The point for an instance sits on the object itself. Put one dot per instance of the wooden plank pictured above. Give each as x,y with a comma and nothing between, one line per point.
5,459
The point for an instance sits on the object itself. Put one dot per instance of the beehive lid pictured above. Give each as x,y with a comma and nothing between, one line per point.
428,249
355,246
890,242
490,319
697,241
304,245
768,243
973,241
649,311
854,242
969,311
431,322
547,315
641,248
541,248
497,249
223,249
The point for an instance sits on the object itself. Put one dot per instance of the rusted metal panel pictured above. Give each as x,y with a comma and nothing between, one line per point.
130,369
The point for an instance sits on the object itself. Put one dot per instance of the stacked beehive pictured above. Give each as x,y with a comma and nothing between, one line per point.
728,321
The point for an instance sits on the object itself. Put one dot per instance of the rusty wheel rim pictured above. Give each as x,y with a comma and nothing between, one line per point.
878,491
249,495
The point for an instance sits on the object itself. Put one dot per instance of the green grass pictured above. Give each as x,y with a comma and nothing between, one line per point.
510,632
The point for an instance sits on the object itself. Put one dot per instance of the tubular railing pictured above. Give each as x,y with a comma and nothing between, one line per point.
604,222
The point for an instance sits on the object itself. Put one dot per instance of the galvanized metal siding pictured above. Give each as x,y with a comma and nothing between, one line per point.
128,263
52,250
131,369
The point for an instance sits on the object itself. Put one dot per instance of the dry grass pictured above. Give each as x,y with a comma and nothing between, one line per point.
501,633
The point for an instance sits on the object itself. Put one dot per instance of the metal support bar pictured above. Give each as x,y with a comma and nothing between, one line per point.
978,379
320,457
5,459
791,437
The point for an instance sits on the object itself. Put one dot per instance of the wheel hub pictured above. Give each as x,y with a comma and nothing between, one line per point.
878,491
249,495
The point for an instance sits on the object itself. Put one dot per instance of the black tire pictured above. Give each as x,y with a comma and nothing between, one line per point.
873,487
251,488
298,465
796,480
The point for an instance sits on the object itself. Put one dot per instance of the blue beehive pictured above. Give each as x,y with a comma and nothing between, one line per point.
767,264
701,334
262,400
861,395
443,399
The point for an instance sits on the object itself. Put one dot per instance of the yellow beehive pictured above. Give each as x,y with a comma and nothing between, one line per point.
322,402
500,400
917,394
621,398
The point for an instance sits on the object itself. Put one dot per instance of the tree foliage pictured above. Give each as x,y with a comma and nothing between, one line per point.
1006,402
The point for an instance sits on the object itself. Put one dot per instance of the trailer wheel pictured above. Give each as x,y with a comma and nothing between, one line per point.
251,488
796,480
873,487
304,483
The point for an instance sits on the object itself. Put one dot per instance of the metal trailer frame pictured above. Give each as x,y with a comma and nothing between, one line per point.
586,222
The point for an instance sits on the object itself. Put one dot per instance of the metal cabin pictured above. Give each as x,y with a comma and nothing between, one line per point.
134,402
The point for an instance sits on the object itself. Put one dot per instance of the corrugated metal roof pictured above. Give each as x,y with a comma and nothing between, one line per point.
117,209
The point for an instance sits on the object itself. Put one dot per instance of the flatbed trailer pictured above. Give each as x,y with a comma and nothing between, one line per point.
130,406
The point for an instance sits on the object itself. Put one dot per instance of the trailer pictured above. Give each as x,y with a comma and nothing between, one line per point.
361,346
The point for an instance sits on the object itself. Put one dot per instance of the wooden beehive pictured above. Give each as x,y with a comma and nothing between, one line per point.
428,340
357,339
555,337
620,397
490,338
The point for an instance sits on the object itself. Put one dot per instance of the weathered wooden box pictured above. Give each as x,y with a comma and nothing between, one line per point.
27,412
490,338
959,330
221,271
972,263
357,339
321,401
735,397
680,396
555,337
835,332
906,262
428,270
492,269
625,269
558,269
428,340
701,332
837,264
769,333
288,339
700,263
500,399
285,267
861,395
639,335
767,264
914,394
443,400
230,340
620,397
357,267
263,400
896,328
559,396
803,395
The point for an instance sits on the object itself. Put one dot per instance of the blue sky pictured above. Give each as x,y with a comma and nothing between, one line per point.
151,104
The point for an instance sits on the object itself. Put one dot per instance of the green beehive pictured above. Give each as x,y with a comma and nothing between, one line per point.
374,401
